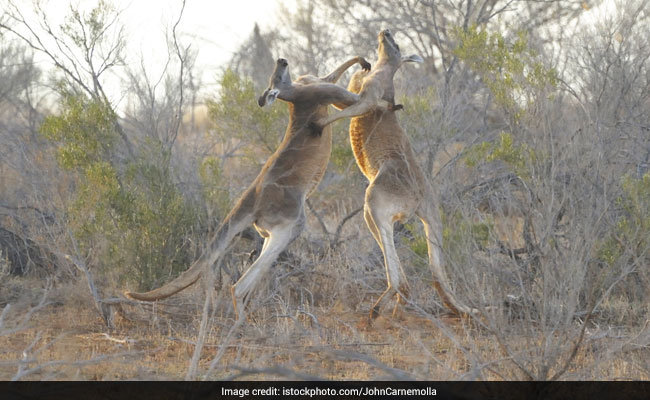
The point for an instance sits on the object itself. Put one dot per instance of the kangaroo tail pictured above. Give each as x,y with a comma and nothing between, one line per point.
433,231
237,220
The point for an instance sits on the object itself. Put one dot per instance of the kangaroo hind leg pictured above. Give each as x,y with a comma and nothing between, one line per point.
278,239
380,223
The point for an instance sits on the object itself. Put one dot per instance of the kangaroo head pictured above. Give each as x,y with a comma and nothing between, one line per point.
389,52
279,82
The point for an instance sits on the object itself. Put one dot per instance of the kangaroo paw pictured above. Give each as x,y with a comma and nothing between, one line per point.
365,65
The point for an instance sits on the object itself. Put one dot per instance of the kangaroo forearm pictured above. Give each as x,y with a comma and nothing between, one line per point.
335,75
360,108
330,93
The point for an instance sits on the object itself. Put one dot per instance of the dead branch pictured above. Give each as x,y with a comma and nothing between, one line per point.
337,235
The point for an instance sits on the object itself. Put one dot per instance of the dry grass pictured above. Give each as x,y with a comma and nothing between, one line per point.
310,321
311,326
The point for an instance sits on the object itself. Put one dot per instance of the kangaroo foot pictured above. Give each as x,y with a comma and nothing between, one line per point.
374,311
239,304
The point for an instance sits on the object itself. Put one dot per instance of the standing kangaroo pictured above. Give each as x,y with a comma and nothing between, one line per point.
398,188
275,202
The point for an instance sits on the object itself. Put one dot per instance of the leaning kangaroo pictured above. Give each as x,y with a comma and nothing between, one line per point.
398,187
274,202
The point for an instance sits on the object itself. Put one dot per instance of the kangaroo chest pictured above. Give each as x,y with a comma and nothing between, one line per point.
375,138
302,162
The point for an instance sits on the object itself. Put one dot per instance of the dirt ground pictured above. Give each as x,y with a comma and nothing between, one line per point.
283,338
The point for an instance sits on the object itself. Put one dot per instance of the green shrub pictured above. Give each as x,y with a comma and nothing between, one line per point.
85,131
236,115
134,224
460,234
629,241
513,72
519,157
214,190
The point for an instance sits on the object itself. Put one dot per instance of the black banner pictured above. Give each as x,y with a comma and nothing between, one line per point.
324,390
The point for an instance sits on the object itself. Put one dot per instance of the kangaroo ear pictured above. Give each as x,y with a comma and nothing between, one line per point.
268,97
412,58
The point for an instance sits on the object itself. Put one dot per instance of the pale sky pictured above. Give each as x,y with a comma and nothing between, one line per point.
214,28
217,28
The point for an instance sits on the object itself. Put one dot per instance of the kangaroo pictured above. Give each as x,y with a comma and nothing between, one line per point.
398,188
275,202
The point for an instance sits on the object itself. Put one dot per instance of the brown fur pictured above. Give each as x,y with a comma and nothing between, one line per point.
398,188
274,202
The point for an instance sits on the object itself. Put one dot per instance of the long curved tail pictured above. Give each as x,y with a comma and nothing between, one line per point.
237,220
433,231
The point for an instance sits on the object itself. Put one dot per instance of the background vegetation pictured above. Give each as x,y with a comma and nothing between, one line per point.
530,118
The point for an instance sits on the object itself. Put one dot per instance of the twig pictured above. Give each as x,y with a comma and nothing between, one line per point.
226,343
318,217
5,310
109,338
22,325
48,216
97,360
394,373
337,235
181,59
580,338
194,362
89,279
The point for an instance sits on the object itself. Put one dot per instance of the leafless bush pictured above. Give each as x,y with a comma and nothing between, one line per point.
545,200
